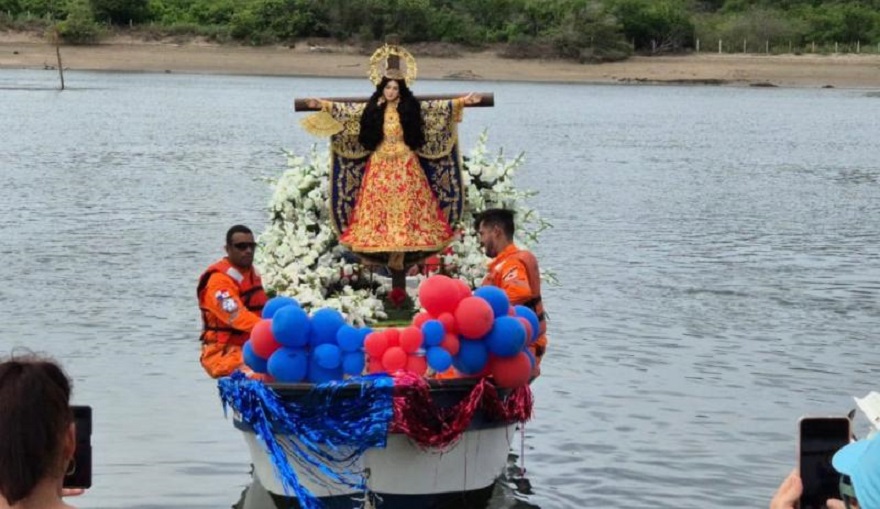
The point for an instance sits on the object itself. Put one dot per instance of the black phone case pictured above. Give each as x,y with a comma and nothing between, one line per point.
80,471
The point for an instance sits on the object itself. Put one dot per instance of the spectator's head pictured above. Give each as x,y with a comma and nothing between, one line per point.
240,246
496,229
36,426
859,463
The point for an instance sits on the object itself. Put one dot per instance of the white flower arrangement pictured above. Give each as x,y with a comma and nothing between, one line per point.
299,254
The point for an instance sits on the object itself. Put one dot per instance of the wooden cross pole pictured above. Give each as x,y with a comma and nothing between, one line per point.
487,100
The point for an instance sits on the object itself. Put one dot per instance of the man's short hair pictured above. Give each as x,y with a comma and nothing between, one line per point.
502,218
239,228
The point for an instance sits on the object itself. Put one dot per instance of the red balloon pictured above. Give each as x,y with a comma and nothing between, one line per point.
375,344
464,291
395,359
417,364
474,317
439,294
392,335
528,325
451,344
420,318
448,321
411,339
375,365
262,340
511,372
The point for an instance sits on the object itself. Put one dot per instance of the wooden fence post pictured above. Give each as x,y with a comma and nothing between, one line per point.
720,46
56,38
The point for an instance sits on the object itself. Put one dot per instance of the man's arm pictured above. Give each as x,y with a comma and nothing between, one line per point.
515,282
223,301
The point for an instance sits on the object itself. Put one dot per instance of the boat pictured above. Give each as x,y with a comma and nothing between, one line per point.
401,472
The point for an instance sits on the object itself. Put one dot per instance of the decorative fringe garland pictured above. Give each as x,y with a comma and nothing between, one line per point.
416,415
327,428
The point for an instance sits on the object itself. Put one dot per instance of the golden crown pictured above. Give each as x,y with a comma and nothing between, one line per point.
394,62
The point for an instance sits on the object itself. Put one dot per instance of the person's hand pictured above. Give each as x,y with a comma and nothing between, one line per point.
381,101
789,492
472,98
313,103
833,503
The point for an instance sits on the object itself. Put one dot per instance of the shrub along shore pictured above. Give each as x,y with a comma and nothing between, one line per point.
438,61
576,30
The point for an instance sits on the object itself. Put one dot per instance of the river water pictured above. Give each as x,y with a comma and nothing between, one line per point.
716,248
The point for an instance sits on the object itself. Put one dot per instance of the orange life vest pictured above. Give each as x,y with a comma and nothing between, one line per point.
250,292
502,274
535,302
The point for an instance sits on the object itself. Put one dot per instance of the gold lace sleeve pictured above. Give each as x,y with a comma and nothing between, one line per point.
344,142
441,131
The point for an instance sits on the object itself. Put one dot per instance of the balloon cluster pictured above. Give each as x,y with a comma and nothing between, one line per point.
478,333
292,346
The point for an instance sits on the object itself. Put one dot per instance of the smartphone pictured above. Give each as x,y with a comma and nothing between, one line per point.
79,472
820,438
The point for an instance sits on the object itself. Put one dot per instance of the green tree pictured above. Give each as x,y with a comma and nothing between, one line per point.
79,26
121,11
656,25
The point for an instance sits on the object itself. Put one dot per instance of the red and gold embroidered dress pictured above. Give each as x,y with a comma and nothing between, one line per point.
394,205
395,210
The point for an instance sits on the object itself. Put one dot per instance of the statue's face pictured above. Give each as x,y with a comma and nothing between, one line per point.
391,91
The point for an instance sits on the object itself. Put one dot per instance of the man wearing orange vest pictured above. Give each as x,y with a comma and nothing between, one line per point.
231,297
512,269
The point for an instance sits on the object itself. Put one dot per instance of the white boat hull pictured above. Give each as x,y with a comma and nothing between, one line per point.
402,467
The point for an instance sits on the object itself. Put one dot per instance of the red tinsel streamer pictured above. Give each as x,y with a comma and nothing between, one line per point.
416,415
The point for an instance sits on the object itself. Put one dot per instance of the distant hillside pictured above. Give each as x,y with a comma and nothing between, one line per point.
581,30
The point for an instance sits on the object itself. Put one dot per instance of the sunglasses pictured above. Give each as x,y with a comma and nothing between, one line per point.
242,246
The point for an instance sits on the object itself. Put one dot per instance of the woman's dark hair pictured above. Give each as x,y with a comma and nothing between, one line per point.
35,413
410,118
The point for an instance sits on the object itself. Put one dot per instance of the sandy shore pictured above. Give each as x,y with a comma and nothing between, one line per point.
20,51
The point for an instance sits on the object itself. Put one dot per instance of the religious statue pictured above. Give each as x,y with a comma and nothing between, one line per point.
396,185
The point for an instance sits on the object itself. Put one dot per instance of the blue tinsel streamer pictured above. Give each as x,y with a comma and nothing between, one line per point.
327,430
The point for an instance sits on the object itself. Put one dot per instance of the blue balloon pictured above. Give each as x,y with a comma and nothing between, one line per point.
319,375
353,363
433,332
289,364
253,361
325,323
529,314
496,298
276,303
438,359
290,326
327,356
471,358
349,338
507,337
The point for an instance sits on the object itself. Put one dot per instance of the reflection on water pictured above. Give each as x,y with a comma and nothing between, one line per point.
716,248
510,491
